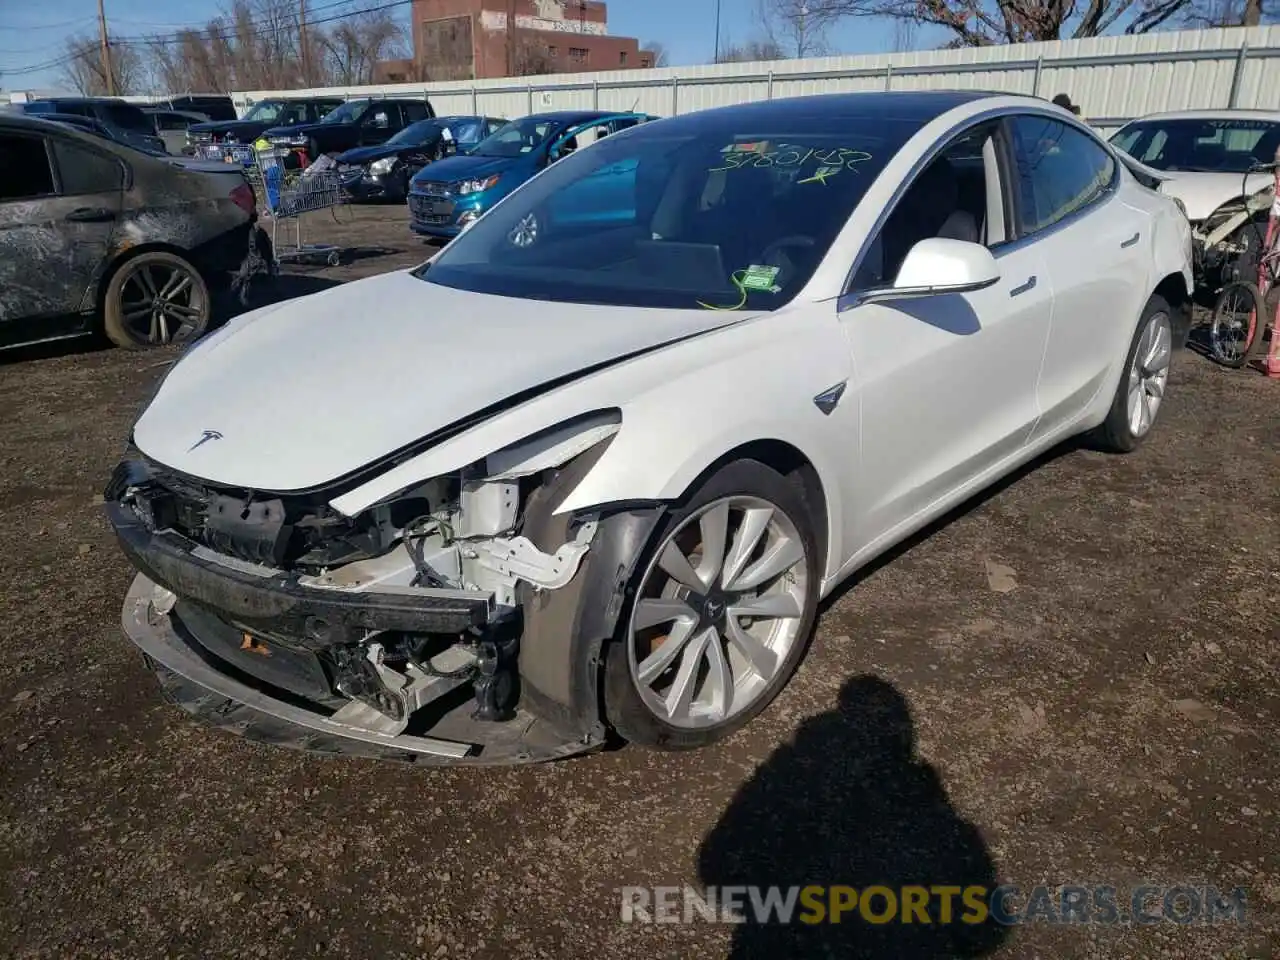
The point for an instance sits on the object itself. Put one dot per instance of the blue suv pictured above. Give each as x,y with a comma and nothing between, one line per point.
450,194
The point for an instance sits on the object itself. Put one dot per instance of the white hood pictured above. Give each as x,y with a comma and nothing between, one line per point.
1203,193
310,390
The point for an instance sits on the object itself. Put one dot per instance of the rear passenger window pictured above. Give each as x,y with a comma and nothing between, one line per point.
83,171
414,111
1060,171
24,168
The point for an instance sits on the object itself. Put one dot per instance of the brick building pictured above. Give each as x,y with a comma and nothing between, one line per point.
461,39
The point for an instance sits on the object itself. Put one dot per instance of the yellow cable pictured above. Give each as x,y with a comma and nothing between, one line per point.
736,277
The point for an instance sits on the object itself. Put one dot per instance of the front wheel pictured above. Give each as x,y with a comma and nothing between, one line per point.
1140,393
720,612
1237,317
155,299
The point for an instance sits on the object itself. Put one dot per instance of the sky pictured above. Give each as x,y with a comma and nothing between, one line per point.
32,34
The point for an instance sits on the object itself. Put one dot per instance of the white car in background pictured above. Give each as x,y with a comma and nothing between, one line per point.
1210,160
594,466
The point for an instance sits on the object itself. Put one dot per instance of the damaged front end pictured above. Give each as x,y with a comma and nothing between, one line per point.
401,631
1225,244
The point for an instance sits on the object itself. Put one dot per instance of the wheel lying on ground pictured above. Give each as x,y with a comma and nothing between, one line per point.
720,612
155,299
1143,381
1238,314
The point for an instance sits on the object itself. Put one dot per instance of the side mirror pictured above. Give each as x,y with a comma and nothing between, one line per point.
380,121
937,266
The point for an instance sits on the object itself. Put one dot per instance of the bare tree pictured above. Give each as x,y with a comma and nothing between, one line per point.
797,27
259,44
658,51
354,45
976,23
750,51
83,67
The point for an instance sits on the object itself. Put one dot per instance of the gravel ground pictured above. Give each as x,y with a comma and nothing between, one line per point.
1073,681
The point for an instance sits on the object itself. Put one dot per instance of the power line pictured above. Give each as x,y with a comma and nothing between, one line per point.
229,32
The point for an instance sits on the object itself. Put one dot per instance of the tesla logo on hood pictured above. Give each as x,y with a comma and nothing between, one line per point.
205,437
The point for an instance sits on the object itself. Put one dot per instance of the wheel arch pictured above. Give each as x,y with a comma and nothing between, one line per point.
1174,291
791,462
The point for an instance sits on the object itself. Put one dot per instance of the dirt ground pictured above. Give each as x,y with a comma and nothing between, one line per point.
1074,681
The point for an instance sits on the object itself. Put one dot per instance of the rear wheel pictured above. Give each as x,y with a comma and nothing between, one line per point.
1238,315
720,613
155,299
1140,393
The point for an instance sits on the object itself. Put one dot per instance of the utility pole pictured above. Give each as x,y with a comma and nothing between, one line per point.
304,43
105,51
717,55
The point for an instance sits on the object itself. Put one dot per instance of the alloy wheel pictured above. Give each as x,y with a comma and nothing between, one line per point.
161,303
1149,373
719,609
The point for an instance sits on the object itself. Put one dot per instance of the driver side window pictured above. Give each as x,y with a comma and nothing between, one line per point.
957,197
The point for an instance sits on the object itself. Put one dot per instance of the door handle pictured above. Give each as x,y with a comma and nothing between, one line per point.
90,215
1024,287
1131,241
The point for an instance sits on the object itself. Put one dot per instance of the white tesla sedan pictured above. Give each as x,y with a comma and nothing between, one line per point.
592,468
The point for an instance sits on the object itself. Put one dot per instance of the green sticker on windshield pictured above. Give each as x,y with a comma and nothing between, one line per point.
757,277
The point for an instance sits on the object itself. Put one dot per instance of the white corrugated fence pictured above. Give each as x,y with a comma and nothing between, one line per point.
1113,79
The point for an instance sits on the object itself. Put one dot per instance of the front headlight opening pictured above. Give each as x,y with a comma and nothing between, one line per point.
385,165
475,186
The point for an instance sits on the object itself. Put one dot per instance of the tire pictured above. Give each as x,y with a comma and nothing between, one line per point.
155,299
1139,382
713,710
1239,315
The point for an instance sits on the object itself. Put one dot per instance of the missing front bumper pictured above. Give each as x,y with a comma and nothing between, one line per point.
204,687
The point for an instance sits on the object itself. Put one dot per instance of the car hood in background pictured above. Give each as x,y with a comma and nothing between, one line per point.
248,127
361,155
465,167
311,390
1203,193
305,129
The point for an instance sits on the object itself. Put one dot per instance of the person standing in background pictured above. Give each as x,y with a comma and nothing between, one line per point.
1063,101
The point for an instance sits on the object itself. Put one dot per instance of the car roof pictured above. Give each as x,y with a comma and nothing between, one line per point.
1210,115
915,105
577,116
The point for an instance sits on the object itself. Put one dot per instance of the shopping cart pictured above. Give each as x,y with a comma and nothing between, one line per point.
287,195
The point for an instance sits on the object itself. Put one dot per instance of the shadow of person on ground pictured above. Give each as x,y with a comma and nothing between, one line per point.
849,803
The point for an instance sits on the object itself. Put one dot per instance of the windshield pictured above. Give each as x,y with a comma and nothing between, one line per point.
416,134
266,111
709,213
346,113
516,138
1229,145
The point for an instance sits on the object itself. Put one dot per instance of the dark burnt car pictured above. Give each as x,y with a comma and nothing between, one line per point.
383,172
96,236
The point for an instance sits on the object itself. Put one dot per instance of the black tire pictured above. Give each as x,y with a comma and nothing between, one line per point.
139,281
1225,347
1115,434
624,708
